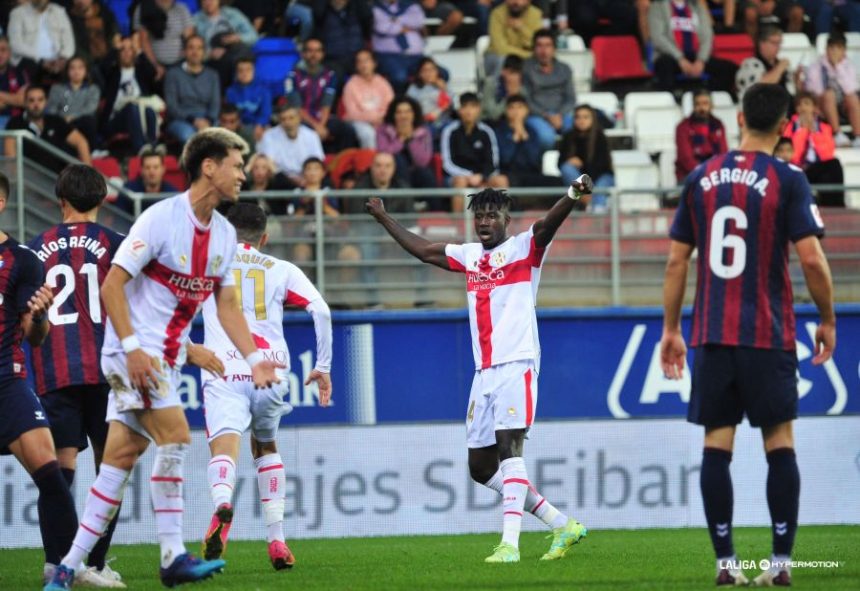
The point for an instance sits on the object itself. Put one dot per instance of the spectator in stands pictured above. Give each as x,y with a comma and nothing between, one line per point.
96,35
299,17
192,93
404,136
431,92
699,136
151,177
314,178
549,88
13,81
229,118
520,152
765,65
727,11
814,149
251,97
228,35
261,175
260,13
41,39
163,27
312,88
470,153
131,105
785,14
497,89
51,128
609,17
76,99
584,149
822,13
397,40
833,80
290,143
784,149
682,36
513,25
366,97
450,17
381,176
344,27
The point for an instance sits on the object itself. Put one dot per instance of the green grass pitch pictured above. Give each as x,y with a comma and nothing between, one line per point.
661,559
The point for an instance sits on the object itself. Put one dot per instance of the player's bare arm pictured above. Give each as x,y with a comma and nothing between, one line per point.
420,248
546,227
673,349
204,358
816,270
233,320
143,369
35,321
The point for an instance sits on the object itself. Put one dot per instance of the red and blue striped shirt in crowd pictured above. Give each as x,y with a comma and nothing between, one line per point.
21,275
76,257
740,210
311,92
684,29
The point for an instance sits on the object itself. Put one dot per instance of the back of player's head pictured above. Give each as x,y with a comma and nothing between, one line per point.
4,186
491,199
765,106
249,219
81,186
213,142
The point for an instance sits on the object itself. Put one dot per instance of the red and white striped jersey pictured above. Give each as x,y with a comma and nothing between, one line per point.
176,263
266,285
501,289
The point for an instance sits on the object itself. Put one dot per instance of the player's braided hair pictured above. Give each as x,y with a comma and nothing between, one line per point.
491,198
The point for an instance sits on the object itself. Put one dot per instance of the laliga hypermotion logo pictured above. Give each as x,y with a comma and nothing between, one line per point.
656,384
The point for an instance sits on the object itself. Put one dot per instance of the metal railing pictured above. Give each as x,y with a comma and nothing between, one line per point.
616,258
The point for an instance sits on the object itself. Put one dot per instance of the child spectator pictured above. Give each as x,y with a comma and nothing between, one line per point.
252,98
833,81
431,92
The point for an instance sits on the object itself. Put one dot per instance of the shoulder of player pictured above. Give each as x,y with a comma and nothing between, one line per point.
26,255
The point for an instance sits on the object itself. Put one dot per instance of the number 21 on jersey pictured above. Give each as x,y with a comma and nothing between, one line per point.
258,277
721,241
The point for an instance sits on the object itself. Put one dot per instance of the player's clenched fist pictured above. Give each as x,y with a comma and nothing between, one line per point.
375,207
41,301
263,373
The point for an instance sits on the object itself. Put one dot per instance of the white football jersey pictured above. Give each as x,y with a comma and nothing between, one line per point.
175,263
501,289
266,285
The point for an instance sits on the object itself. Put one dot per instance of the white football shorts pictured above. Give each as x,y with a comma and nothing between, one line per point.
234,406
123,400
503,397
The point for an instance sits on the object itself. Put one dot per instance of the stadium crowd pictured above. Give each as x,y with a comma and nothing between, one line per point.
109,80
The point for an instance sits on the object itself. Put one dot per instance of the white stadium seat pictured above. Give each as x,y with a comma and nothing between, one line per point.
462,69
435,43
850,159
605,101
654,127
481,46
666,164
635,170
582,64
636,100
797,49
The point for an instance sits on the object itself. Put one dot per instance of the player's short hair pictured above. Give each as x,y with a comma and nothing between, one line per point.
765,105
249,219
212,142
4,186
491,198
81,186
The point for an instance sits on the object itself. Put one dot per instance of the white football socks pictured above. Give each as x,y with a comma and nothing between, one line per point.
272,484
535,504
102,504
165,488
515,487
222,479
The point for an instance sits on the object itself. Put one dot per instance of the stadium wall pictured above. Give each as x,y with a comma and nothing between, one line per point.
610,445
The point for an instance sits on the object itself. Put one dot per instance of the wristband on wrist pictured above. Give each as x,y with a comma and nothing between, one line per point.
254,358
575,195
130,344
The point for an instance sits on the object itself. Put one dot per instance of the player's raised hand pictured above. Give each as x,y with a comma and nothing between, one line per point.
673,353
323,380
375,207
825,343
41,300
263,373
205,359
144,371
582,185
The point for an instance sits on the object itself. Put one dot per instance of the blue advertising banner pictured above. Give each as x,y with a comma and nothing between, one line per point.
392,367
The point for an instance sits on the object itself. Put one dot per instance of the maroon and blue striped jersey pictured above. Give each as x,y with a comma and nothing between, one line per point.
77,258
741,210
21,275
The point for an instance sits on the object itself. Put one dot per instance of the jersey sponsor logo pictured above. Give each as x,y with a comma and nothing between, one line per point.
216,264
498,259
735,176
40,416
92,245
192,288
816,214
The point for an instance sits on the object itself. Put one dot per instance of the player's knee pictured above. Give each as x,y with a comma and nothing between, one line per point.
124,457
480,471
